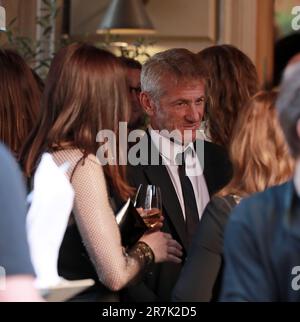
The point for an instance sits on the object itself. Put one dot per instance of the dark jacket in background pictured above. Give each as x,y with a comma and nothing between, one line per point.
262,248
14,250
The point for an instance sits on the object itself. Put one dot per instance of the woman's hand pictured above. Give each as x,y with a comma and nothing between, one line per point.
164,247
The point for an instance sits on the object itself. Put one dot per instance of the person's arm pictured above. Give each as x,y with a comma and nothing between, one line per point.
202,267
139,292
245,277
17,282
100,232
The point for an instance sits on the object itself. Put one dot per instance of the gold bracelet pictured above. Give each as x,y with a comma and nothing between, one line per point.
144,252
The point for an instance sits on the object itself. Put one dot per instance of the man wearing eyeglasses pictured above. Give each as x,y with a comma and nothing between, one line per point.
138,117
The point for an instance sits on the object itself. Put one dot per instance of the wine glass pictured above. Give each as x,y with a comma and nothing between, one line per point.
149,205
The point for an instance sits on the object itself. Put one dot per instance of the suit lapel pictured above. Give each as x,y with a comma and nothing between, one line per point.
158,175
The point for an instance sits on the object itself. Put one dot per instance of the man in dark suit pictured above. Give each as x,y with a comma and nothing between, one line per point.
187,170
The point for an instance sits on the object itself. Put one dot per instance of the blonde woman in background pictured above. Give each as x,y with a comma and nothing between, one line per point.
260,159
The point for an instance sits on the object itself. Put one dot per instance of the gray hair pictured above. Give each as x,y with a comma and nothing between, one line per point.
288,106
177,64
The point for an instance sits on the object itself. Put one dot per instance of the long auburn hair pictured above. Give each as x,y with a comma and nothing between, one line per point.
85,92
258,151
19,100
231,81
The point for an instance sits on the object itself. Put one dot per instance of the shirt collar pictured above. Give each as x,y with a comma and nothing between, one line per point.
167,148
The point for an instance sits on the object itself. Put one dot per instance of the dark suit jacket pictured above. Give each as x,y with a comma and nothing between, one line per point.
160,280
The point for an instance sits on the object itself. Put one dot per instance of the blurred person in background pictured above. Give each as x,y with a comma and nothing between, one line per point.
231,81
19,100
18,282
133,72
262,239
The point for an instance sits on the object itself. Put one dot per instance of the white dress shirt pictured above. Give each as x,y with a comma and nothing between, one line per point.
168,151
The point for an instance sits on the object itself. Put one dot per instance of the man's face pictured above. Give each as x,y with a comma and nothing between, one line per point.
134,80
181,107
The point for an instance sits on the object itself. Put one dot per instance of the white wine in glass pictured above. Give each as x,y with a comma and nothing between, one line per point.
148,204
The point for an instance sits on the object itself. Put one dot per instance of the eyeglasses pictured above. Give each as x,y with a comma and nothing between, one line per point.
135,90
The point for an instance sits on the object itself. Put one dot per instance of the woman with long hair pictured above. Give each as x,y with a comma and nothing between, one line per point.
260,159
232,80
86,92
19,100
